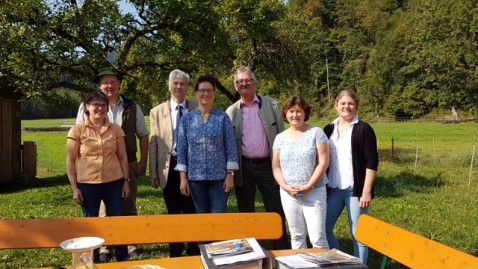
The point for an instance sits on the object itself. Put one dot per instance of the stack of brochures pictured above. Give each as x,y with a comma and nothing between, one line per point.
330,259
232,254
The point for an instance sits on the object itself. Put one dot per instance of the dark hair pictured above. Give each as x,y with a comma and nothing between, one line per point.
296,101
94,96
205,78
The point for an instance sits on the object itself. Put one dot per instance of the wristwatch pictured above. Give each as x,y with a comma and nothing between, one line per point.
231,173
127,179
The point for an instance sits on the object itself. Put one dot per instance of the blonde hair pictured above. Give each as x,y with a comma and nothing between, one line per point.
350,94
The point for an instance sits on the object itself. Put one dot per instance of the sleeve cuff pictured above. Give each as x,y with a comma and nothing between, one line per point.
181,168
232,166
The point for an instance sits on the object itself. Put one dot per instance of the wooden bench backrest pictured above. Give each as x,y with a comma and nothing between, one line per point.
49,233
410,249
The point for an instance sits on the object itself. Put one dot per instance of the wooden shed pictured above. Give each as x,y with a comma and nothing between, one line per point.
10,136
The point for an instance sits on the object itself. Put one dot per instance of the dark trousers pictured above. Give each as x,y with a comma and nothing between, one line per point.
259,173
111,194
176,203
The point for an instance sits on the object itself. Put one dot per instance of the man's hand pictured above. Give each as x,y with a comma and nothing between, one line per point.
141,171
155,183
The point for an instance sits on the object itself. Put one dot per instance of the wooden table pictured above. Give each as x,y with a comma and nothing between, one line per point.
188,262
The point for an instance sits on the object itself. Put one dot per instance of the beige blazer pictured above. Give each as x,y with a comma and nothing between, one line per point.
270,115
161,140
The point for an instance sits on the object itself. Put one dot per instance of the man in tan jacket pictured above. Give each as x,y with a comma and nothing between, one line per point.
164,119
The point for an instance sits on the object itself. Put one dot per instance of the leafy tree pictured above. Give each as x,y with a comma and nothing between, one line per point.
403,57
51,45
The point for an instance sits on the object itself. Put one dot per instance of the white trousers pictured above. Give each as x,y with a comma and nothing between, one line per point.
306,215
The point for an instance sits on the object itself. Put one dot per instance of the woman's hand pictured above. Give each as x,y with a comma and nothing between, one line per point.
292,190
78,196
304,188
298,191
228,183
365,200
126,190
184,185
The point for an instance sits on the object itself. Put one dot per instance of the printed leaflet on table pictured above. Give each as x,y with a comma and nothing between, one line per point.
231,253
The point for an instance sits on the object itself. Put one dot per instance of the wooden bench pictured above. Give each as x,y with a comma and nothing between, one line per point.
67,123
153,229
410,249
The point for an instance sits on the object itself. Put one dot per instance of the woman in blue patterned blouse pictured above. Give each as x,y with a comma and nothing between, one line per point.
299,163
207,153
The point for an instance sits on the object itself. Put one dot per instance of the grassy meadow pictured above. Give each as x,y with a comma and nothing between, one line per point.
423,185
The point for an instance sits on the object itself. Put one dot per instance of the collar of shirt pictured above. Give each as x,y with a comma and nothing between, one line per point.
120,102
174,105
90,124
354,121
256,102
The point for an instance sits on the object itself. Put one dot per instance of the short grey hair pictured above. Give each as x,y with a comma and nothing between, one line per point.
245,69
176,73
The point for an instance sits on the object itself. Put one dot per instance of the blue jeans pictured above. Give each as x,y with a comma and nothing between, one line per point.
337,199
209,196
110,193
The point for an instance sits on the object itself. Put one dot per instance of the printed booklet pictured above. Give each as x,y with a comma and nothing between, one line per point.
233,254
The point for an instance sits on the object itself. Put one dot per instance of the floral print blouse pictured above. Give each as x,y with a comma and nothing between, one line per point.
206,150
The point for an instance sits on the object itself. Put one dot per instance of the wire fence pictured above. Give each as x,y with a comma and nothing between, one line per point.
445,155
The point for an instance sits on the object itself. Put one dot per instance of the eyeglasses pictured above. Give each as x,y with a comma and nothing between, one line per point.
98,105
203,91
247,81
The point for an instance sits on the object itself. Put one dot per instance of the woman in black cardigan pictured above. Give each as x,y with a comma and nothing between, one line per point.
352,169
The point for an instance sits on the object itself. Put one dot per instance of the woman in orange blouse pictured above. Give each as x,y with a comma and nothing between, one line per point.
97,163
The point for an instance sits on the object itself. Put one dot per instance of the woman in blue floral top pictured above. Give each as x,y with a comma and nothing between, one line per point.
207,153
299,163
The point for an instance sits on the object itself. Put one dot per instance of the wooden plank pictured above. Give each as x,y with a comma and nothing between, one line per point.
410,249
190,262
49,233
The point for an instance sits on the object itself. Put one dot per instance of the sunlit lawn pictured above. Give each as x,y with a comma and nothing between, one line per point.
425,187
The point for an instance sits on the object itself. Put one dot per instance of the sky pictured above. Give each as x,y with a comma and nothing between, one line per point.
127,7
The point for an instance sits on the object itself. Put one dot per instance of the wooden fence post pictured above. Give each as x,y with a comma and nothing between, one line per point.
29,159
393,148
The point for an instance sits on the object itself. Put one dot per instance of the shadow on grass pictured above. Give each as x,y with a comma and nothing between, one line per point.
36,183
55,181
404,182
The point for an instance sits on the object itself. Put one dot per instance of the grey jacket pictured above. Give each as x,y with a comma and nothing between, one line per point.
270,115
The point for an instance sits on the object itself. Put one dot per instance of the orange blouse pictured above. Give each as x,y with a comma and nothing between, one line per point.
98,161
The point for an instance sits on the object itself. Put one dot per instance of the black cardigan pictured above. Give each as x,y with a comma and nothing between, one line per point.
364,153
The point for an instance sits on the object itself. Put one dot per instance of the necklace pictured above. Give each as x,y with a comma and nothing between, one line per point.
98,127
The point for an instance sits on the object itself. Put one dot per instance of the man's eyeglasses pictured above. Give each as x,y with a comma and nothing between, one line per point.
202,91
98,105
247,81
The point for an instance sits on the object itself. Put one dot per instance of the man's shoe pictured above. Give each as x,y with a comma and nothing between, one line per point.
105,257
134,255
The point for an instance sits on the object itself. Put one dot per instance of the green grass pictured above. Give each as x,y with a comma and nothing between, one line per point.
428,195
49,123
42,123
